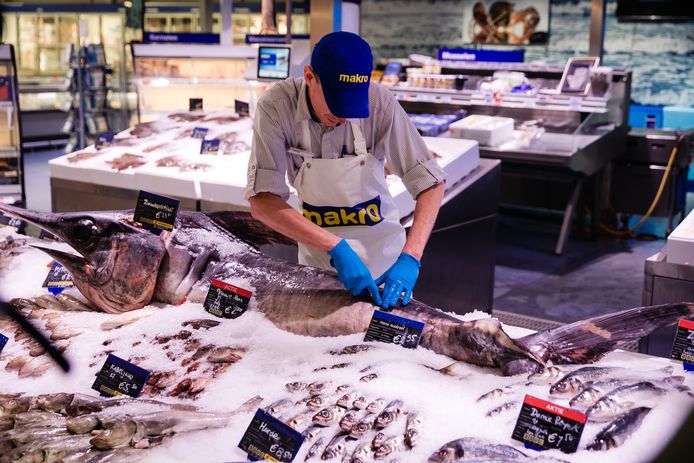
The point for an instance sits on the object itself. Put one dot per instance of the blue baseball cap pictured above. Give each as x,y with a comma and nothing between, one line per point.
343,62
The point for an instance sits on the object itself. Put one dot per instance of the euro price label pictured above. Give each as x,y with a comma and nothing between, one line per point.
391,329
200,132
3,341
210,146
194,104
242,108
155,212
58,279
683,346
542,425
119,377
267,438
226,300
103,140
11,224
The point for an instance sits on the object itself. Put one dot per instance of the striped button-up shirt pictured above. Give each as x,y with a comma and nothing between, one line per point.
389,134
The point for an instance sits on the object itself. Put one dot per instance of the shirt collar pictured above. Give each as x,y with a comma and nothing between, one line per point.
302,112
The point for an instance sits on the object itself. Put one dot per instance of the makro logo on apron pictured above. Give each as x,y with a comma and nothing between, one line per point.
366,213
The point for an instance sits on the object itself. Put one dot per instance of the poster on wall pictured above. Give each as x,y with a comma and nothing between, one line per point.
515,22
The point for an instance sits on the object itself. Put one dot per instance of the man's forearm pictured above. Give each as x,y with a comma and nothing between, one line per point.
425,212
274,212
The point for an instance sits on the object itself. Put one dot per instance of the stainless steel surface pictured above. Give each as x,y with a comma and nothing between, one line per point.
597,28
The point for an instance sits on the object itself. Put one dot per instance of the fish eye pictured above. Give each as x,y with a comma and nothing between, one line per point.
83,231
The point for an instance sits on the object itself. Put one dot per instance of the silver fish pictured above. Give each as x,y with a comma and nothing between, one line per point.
625,398
413,429
342,388
336,448
276,407
82,424
389,414
469,448
547,375
573,382
311,432
296,386
296,421
38,418
368,378
594,391
378,440
348,421
362,454
376,406
329,416
502,408
495,393
347,399
315,448
389,446
362,427
316,402
300,299
318,387
619,430
353,349
360,403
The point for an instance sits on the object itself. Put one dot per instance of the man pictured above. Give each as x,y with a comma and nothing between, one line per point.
330,134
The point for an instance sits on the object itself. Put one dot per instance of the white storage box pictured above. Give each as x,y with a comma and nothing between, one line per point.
486,130
680,243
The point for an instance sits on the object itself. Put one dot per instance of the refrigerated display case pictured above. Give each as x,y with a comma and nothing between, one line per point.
11,161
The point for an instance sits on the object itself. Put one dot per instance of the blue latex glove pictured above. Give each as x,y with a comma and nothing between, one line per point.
399,278
352,272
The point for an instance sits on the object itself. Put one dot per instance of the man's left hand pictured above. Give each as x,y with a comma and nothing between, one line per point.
399,279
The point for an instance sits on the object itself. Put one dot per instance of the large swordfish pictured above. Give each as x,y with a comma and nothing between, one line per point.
122,268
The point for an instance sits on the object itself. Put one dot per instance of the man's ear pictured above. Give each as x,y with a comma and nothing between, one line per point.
309,75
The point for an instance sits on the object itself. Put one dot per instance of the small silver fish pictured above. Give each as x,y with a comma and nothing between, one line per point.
389,414
362,427
376,406
473,449
329,416
343,388
347,399
353,349
316,402
296,421
625,398
378,440
336,448
369,377
348,421
315,448
501,408
362,454
495,394
547,375
389,446
296,386
360,403
619,430
276,407
413,428
311,432
318,387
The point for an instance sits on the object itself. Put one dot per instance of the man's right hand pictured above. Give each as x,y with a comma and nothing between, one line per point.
352,272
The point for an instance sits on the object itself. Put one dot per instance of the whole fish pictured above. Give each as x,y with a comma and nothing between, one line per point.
362,454
347,400
82,424
376,406
276,407
296,386
348,421
594,391
468,448
122,268
378,440
502,408
311,432
368,378
361,428
354,349
495,393
360,403
315,448
413,428
318,387
316,402
625,398
389,414
573,382
547,375
389,446
54,402
336,448
329,416
298,420
619,430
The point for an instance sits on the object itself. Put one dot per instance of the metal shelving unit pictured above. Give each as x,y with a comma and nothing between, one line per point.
11,155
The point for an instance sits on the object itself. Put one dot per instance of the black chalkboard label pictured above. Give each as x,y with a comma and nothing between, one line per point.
120,378
267,438
200,132
12,224
155,212
58,279
194,104
3,341
242,108
389,328
104,140
210,146
543,425
683,347
225,300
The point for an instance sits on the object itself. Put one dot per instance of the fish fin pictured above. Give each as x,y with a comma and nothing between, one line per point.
248,229
588,340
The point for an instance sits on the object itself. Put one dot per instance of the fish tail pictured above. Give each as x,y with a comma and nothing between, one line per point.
588,340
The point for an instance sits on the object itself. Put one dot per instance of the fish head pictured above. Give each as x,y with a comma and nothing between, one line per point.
117,265
603,409
566,385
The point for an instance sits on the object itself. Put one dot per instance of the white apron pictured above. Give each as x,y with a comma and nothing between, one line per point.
349,197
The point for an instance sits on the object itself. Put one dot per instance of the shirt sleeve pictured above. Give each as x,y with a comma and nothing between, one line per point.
267,167
407,155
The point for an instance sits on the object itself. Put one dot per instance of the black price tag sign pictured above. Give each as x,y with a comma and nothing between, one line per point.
683,347
210,146
200,132
12,224
155,212
225,300
120,378
267,438
58,279
544,425
242,108
104,140
3,341
389,328
195,104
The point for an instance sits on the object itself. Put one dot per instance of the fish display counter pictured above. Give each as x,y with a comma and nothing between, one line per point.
300,351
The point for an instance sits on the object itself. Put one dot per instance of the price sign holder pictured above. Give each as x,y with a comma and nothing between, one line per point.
58,279
210,146
155,213
3,341
120,378
242,108
200,132
104,140
683,346
194,104
12,224
225,300
391,329
267,438
543,425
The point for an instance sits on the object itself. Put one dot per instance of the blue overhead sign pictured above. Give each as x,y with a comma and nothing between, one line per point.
165,37
273,38
469,54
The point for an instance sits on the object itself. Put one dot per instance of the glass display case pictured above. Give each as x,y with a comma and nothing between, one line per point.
167,76
11,166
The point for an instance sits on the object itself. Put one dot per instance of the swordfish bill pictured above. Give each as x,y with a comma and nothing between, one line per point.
121,267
